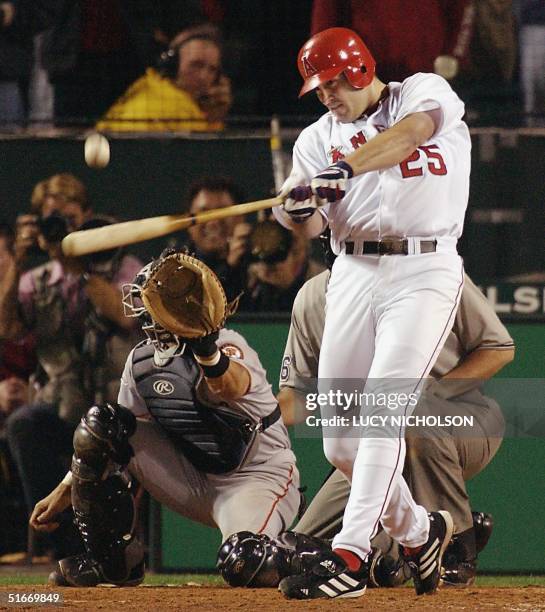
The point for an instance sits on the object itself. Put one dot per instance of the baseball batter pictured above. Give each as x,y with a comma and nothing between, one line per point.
199,427
394,192
436,465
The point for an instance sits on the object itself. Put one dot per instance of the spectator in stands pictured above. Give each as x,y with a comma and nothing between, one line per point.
486,82
17,356
404,37
73,308
96,48
220,244
17,362
186,92
280,268
532,59
261,38
19,21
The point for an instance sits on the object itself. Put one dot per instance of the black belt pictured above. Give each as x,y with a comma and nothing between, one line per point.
389,246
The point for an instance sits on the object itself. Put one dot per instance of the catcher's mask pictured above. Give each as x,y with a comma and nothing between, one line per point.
167,344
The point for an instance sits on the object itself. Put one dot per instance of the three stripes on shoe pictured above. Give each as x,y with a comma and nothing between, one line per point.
339,585
428,562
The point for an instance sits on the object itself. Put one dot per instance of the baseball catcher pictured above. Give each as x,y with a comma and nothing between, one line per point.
196,423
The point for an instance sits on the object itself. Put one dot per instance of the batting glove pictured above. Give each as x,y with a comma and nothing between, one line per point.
299,201
330,185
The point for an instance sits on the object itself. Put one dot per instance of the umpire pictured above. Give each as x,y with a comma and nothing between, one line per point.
197,424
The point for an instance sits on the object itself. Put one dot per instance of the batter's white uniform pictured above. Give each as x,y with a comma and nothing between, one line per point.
388,316
261,496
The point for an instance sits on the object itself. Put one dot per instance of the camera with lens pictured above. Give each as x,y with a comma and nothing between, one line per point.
54,227
269,243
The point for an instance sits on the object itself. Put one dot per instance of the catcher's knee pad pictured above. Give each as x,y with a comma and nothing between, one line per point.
104,514
102,436
255,560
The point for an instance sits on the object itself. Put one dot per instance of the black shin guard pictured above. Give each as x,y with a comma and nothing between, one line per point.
103,505
104,514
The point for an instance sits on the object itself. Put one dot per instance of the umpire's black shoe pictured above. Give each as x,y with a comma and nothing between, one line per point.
329,578
483,524
83,571
425,564
459,574
460,560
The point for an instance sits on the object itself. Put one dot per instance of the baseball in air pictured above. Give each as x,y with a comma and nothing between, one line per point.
97,151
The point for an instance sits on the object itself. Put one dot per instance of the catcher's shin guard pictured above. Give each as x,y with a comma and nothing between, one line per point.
104,515
103,505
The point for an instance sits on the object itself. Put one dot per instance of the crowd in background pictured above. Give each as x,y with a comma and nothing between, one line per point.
194,64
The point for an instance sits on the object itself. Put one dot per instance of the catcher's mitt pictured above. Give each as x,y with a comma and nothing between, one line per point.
183,295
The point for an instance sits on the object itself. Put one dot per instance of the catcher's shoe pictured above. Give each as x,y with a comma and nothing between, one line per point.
328,578
83,571
425,564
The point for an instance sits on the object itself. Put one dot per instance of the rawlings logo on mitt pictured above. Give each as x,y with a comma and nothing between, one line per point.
184,296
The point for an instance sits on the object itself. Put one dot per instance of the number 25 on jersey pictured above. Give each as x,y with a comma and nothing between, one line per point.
425,154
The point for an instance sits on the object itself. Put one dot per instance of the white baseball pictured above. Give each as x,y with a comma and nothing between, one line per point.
446,66
97,151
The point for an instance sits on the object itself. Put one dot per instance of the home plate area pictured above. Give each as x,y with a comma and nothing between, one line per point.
206,598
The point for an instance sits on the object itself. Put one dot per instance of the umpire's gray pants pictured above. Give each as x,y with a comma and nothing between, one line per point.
437,464
262,498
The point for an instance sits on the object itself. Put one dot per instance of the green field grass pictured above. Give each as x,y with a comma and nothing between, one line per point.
214,580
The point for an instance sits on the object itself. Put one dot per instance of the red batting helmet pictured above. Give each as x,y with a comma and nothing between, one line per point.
330,52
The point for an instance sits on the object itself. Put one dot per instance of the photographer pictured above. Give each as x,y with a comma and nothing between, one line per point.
280,264
221,243
73,308
17,361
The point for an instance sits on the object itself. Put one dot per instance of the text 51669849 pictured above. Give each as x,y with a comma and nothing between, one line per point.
30,598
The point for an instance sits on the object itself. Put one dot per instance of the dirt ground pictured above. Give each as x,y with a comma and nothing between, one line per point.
205,599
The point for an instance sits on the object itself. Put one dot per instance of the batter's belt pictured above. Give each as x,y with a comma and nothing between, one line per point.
390,246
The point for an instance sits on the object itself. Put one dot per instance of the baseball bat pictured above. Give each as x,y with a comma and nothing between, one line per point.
116,235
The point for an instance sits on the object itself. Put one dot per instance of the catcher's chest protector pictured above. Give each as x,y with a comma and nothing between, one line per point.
214,440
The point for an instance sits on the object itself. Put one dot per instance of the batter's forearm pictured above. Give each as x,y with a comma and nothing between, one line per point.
394,145
310,228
